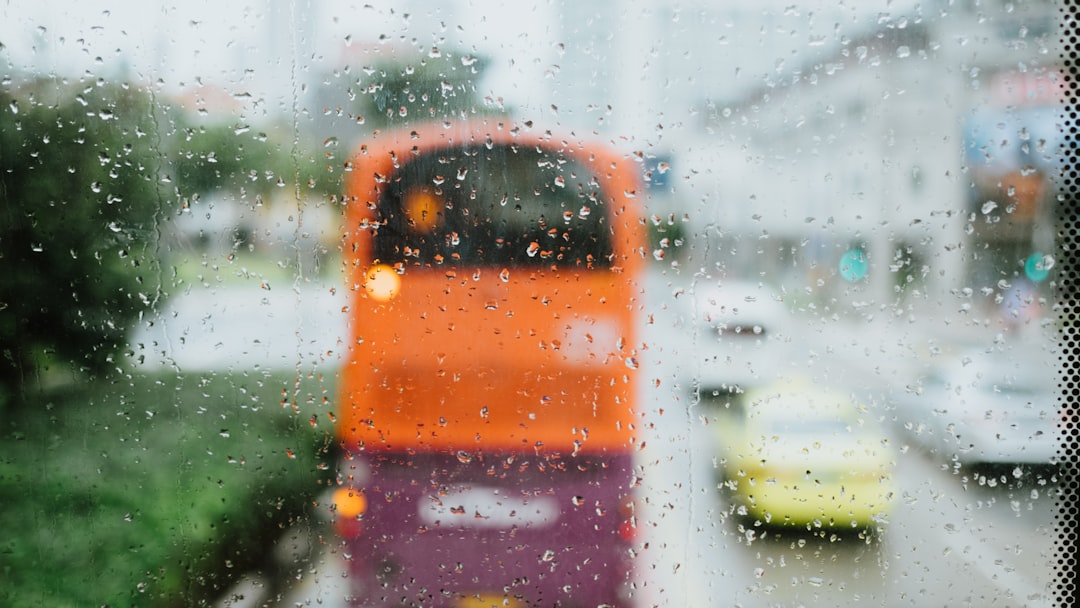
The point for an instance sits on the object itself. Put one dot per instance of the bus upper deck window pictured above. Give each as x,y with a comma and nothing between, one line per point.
503,205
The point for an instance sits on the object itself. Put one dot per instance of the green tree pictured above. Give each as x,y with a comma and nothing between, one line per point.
81,185
226,157
430,87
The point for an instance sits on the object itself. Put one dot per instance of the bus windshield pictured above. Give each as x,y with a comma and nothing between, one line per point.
503,205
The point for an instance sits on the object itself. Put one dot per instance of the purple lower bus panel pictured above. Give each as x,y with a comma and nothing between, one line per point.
493,530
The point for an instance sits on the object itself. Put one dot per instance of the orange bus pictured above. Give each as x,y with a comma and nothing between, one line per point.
487,408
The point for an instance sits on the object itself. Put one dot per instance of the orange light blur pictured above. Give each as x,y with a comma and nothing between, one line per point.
423,210
350,503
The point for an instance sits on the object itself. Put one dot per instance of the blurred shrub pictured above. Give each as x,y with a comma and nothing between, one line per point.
426,87
158,491
90,174
667,237
252,165
79,167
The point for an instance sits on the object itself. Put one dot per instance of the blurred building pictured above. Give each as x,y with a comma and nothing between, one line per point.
927,143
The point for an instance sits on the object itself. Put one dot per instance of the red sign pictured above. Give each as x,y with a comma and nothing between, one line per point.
1032,88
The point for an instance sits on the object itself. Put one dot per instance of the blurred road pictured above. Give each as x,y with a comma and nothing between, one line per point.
952,539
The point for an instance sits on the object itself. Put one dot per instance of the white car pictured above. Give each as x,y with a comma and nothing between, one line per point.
739,329
987,407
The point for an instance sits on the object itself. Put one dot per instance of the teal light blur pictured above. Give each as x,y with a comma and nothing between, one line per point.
1037,267
853,265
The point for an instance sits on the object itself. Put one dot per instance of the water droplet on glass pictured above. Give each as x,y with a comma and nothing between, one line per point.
989,206
95,187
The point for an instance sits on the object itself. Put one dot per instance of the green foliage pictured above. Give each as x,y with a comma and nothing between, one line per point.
79,169
668,236
209,157
250,164
424,88
89,174
150,491
159,491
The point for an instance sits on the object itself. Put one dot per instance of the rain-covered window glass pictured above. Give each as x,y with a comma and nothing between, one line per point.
472,303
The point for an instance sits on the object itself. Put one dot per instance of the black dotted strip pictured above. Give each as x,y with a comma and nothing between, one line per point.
1066,589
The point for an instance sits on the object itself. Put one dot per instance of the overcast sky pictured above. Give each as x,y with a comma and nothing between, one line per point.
541,51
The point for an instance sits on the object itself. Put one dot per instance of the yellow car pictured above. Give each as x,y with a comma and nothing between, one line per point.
797,454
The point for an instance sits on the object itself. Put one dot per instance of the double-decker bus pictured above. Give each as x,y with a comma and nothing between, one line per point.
487,406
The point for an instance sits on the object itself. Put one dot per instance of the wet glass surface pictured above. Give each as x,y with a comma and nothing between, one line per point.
474,304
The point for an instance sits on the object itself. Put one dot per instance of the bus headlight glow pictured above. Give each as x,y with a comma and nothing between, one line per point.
383,283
